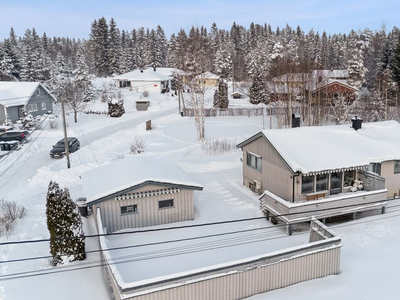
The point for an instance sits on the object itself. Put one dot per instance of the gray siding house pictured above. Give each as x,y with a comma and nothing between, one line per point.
33,96
323,169
139,192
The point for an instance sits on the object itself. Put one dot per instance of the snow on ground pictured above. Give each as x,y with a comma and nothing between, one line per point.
369,257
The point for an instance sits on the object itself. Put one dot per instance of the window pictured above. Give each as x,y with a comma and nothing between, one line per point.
307,185
349,177
43,105
397,167
32,107
336,183
254,161
129,209
166,203
375,167
37,92
322,182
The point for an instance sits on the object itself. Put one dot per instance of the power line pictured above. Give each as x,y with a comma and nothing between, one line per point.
198,225
34,273
181,240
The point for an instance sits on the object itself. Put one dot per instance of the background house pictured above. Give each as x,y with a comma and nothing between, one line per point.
150,79
140,192
33,96
302,165
207,79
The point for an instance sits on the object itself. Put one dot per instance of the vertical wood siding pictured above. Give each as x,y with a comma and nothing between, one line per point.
148,212
392,180
311,261
275,176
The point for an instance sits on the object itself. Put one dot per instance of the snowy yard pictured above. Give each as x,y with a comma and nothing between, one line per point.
25,175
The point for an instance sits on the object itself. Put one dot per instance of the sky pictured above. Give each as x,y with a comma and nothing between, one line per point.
72,18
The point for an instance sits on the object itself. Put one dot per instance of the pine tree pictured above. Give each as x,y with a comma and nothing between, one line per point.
67,240
221,99
99,45
258,90
223,60
394,64
140,49
114,48
356,67
28,71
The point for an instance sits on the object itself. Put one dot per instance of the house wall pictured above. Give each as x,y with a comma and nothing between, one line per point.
39,99
2,114
151,86
14,113
148,212
392,180
275,175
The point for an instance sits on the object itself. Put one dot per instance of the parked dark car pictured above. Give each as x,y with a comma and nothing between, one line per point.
58,150
15,135
4,129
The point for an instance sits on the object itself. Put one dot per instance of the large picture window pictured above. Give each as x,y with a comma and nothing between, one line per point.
307,185
166,203
397,167
254,161
322,182
129,209
336,183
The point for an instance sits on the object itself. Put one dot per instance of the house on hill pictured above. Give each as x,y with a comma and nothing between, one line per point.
33,96
207,79
298,170
150,79
138,192
316,85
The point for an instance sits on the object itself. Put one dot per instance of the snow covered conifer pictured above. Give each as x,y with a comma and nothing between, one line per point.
257,89
116,110
221,95
67,240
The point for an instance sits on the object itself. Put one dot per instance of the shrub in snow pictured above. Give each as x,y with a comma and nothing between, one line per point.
138,146
67,240
116,110
7,121
219,146
10,213
27,120
145,94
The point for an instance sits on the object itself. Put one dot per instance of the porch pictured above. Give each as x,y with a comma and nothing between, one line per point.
373,196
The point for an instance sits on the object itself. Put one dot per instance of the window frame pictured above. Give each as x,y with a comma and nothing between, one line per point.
44,107
257,161
313,185
128,211
344,177
374,167
166,206
326,182
396,167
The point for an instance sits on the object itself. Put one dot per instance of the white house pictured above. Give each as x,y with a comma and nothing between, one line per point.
150,79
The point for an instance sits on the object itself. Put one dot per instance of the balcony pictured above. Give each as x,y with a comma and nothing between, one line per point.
373,196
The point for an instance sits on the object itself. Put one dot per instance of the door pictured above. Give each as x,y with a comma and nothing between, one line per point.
336,183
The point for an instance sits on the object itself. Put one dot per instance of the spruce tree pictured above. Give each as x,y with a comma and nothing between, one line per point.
395,64
257,89
67,240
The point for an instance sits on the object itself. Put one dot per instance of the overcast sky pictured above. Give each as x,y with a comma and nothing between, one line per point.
72,18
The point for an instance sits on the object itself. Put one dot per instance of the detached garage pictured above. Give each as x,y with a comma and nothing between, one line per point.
138,192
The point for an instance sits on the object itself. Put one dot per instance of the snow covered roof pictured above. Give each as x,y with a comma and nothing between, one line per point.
132,172
160,74
320,148
207,75
17,93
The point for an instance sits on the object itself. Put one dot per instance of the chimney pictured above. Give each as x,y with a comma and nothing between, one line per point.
295,120
141,71
356,123
154,69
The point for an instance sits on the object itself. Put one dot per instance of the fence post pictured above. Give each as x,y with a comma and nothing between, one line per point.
148,125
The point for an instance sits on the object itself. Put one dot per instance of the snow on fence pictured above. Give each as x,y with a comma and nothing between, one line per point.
239,279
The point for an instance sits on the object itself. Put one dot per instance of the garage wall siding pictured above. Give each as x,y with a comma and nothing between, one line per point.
148,212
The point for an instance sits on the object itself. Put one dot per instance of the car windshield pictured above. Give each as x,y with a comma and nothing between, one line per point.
60,144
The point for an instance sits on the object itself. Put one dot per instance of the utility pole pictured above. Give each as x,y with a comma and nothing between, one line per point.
65,133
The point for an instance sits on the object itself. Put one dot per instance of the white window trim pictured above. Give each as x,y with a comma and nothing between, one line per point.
44,106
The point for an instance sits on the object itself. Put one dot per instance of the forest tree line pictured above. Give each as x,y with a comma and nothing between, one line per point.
238,54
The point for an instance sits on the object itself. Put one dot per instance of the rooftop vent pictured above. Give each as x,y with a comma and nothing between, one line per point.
356,123
295,120
154,69
141,71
